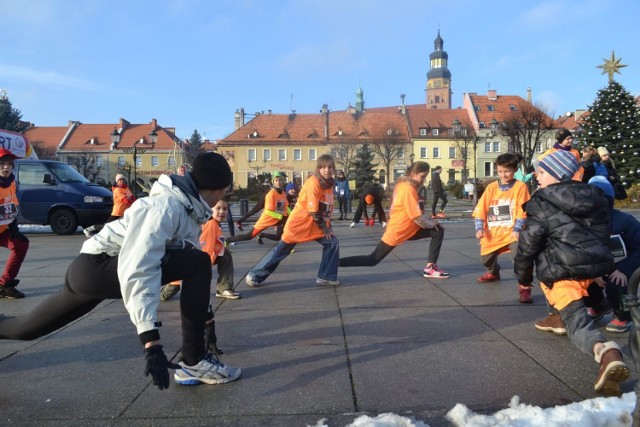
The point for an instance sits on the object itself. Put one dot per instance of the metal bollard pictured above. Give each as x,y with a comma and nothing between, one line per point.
631,302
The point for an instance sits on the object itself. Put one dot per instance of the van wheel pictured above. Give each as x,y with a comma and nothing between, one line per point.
63,222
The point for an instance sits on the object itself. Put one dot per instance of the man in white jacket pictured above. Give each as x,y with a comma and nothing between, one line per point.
154,243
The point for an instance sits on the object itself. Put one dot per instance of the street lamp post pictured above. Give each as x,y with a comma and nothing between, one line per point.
134,150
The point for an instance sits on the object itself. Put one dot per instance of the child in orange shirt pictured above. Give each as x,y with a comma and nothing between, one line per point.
309,221
499,218
406,222
276,209
212,242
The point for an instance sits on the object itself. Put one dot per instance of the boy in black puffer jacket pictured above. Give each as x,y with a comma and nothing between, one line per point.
566,236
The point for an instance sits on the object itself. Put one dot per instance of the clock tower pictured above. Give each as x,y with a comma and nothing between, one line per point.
438,78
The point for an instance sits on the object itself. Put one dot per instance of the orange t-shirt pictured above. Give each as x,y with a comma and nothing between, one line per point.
580,173
275,207
122,200
301,226
212,240
8,206
405,207
499,210
564,292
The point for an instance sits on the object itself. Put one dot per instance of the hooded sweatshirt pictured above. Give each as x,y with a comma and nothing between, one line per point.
173,212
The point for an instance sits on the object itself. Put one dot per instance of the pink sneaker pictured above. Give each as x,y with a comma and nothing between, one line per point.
431,271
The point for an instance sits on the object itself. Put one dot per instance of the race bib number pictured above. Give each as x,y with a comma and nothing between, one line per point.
280,206
8,212
342,191
499,215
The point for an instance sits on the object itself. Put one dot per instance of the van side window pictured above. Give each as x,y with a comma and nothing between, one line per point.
31,175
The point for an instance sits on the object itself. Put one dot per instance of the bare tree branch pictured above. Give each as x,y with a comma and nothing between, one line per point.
86,164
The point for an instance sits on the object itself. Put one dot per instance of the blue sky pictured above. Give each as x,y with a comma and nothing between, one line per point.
192,63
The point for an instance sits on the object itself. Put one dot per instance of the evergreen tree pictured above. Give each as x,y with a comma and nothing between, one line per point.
364,167
196,146
614,122
10,118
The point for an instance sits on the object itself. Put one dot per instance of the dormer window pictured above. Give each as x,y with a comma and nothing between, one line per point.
491,108
423,132
435,132
476,107
253,134
481,125
513,107
363,133
284,134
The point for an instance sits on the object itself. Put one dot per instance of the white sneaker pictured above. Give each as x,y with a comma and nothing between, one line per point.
353,224
251,282
209,371
324,282
228,294
384,224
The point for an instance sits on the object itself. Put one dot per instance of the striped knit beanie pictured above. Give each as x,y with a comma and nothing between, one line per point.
560,164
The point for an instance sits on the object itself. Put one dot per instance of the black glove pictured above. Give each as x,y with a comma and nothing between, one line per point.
210,338
158,366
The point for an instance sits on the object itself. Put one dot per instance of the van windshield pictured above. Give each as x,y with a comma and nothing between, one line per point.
66,173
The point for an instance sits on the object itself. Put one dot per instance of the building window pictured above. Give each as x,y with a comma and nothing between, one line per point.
401,153
452,176
138,161
171,161
452,152
513,107
154,161
297,154
121,161
487,147
481,125
489,169
423,132
491,108
539,147
313,155
434,132
266,154
251,154
282,154
382,176
436,152
496,146
98,161
476,107
423,152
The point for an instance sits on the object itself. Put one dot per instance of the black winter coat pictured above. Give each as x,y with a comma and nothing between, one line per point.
566,235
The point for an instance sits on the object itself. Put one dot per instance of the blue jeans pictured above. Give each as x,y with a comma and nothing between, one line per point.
328,269
580,329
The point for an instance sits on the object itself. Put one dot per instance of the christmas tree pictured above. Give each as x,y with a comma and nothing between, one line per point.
364,166
614,122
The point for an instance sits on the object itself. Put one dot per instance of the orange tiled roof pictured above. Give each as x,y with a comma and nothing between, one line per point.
421,117
97,137
47,136
500,107
342,127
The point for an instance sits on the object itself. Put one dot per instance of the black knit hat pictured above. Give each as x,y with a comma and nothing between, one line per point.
211,171
562,134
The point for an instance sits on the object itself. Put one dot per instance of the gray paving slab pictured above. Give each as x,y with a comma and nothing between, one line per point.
386,340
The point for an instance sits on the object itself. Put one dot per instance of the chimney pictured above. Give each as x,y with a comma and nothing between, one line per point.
529,97
239,118
325,119
154,123
123,124
492,94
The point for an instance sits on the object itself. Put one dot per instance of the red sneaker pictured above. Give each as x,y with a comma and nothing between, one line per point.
488,277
